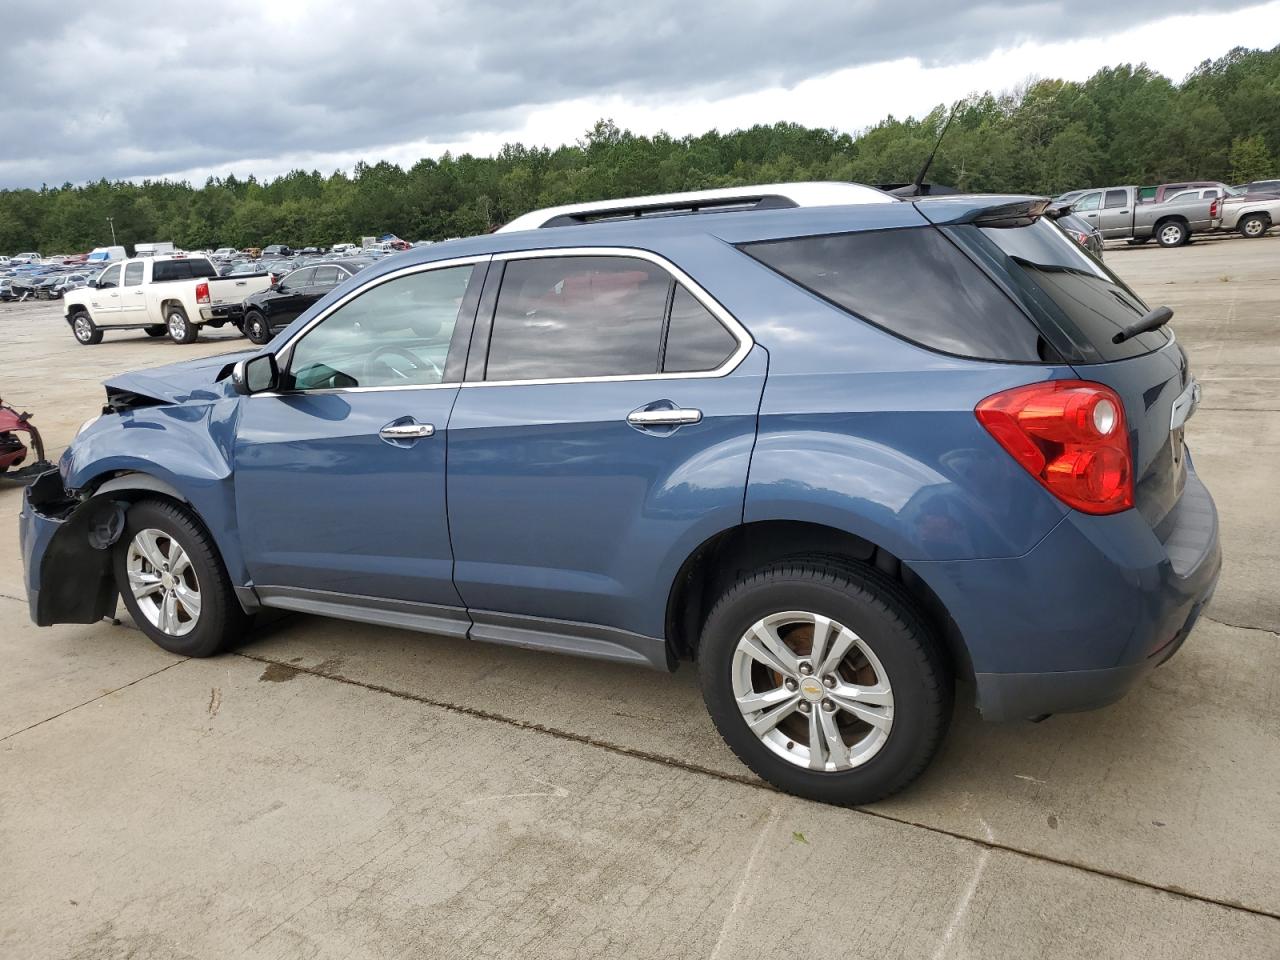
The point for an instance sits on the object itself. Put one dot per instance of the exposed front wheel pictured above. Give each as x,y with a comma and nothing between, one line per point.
171,578
1173,233
181,330
1253,226
825,680
84,329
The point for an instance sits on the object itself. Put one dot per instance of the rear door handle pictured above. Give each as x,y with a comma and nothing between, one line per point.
406,431
674,417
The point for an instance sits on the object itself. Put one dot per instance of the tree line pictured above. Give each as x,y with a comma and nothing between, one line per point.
1124,124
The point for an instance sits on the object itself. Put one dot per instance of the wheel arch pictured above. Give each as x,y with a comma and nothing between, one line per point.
722,559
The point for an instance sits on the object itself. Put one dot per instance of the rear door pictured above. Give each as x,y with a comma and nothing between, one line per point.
603,432
339,475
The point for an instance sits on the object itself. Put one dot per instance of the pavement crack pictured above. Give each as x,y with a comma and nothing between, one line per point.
108,693
1241,626
985,843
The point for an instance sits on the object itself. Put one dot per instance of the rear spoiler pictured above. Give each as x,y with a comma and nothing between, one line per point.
986,211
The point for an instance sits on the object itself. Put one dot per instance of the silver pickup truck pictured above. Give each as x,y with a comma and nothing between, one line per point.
1118,215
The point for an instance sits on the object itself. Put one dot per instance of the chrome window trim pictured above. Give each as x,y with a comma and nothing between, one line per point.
726,319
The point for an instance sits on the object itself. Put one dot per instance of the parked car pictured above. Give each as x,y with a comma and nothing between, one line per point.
277,250
1165,191
224,253
6,289
43,288
1117,214
345,249
270,310
67,283
159,294
1271,187
1082,232
836,448
30,257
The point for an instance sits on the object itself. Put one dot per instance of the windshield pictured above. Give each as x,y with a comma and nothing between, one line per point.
1060,283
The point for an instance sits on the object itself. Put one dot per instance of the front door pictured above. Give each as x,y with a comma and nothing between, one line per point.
339,475
104,299
606,435
133,298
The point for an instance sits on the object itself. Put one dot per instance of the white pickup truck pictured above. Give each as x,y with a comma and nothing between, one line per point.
174,295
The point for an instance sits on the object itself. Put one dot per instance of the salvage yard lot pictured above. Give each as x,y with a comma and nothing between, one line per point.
338,790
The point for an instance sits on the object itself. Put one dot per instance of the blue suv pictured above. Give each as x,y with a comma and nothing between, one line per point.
840,450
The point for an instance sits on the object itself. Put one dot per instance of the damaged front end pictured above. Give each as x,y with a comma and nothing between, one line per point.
72,536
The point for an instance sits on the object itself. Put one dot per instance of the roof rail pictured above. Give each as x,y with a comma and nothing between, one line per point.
771,196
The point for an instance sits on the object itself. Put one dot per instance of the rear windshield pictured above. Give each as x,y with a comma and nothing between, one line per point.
1071,294
915,284
196,269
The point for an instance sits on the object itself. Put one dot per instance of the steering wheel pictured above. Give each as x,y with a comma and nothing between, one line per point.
408,370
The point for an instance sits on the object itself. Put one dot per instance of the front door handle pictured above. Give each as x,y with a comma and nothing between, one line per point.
673,417
406,431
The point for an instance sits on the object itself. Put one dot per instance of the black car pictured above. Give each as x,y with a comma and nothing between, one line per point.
1082,232
277,250
269,310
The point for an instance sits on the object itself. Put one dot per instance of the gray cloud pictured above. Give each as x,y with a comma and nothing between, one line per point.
133,90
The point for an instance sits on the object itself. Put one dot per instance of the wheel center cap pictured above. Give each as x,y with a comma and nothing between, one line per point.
811,689
167,580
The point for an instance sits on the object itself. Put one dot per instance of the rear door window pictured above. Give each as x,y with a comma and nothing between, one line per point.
572,317
915,284
1116,199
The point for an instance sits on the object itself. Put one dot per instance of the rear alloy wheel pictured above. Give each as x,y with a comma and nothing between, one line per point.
825,680
255,327
1174,233
1253,226
181,330
84,329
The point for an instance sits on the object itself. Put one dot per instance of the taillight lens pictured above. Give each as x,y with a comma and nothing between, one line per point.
202,293
1071,436
1213,209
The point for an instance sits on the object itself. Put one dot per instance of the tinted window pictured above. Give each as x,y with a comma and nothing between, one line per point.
110,277
394,335
298,279
1088,202
327,277
164,271
1081,296
913,283
1116,198
696,340
561,317
132,274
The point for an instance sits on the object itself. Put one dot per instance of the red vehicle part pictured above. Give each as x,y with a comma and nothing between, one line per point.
13,446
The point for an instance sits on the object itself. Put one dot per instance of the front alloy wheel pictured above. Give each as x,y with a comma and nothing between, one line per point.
163,582
812,691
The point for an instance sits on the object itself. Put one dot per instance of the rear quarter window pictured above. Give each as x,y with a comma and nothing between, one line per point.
915,284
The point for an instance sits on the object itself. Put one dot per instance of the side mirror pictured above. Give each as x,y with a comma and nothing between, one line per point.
255,375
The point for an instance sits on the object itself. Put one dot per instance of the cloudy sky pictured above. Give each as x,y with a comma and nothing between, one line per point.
185,89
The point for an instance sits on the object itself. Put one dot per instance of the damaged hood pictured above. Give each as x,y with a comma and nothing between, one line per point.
202,379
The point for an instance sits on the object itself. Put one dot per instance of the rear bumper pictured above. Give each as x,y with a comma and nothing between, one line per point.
1073,624
222,311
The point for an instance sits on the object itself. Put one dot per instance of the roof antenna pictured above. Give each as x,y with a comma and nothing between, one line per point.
916,189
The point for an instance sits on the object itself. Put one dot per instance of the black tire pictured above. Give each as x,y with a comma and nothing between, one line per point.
84,329
256,328
1137,241
179,328
1172,233
221,621
156,330
1254,225
885,617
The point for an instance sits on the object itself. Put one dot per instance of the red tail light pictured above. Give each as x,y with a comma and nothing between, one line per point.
1071,436
202,293
1213,210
